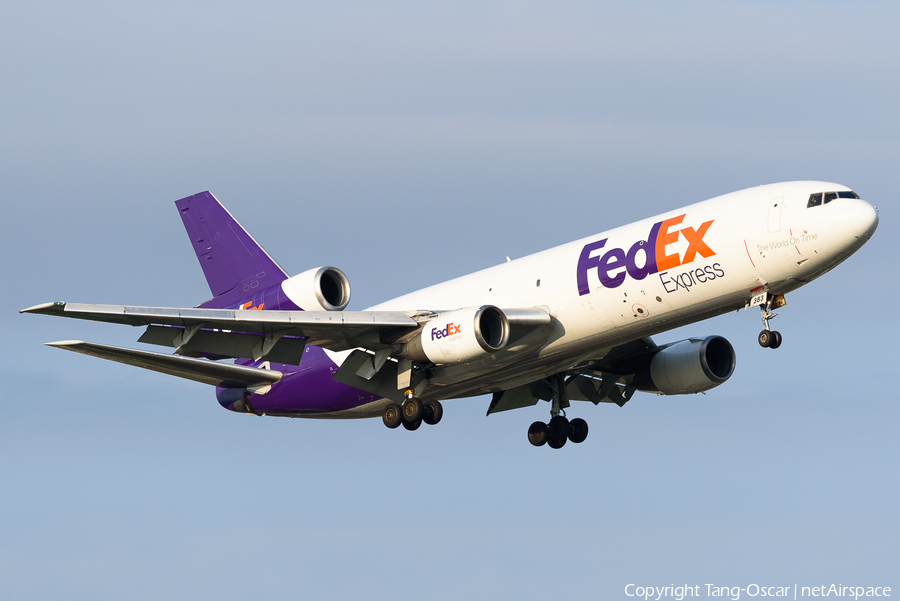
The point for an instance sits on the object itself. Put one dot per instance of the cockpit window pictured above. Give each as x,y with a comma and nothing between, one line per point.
825,197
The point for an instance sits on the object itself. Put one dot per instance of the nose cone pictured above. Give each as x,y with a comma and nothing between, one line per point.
864,219
855,218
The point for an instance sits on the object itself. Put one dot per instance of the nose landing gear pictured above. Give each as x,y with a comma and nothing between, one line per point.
769,338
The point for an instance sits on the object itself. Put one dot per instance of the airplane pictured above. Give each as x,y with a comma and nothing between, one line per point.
572,323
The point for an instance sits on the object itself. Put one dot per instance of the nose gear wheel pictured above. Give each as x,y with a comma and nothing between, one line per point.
769,338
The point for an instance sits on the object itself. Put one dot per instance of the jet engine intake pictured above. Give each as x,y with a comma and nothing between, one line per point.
319,289
690,366
460,336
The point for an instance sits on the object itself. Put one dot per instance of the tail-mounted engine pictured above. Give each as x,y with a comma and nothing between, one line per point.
460,336
689,366
322,288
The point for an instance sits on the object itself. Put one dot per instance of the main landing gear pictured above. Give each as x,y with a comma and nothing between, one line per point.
769,338
558,431
555,433
412,413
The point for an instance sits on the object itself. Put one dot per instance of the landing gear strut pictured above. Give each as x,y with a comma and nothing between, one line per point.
560,429
769,338
412,413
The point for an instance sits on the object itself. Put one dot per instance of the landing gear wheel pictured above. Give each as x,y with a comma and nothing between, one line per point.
557,431
558,427
412,410
412,425
392,416
537,434
578,430
765,339
557,443
776,340
433,412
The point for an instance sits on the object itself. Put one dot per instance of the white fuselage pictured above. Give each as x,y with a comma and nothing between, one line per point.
711,257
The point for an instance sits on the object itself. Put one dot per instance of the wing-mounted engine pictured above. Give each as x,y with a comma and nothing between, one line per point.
689,366
445,349
460,336
319,289
683,367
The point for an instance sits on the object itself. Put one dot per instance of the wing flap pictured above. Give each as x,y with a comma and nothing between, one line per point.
237,333
514,398
198,370
383,382
334,330
225,344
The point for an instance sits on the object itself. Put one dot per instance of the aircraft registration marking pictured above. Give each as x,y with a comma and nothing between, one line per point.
759,298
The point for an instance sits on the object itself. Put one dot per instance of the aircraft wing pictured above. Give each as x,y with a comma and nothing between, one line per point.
334,330
199,370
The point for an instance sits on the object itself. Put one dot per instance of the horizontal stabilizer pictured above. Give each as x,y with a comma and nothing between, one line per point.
199,370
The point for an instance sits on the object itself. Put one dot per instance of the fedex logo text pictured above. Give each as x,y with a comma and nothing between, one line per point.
450,330
616,264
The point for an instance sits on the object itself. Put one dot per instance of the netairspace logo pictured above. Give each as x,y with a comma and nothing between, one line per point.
678,593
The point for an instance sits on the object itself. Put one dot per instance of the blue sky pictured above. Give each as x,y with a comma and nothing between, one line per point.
345,135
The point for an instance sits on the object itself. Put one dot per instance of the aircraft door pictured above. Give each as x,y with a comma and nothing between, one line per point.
772,252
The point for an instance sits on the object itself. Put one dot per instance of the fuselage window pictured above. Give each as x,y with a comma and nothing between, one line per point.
848,195
829,196
814,200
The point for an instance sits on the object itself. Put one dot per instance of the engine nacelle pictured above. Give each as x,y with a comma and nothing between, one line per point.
319,289
460,336
690,366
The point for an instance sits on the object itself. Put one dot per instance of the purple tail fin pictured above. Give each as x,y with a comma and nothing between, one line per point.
234,264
